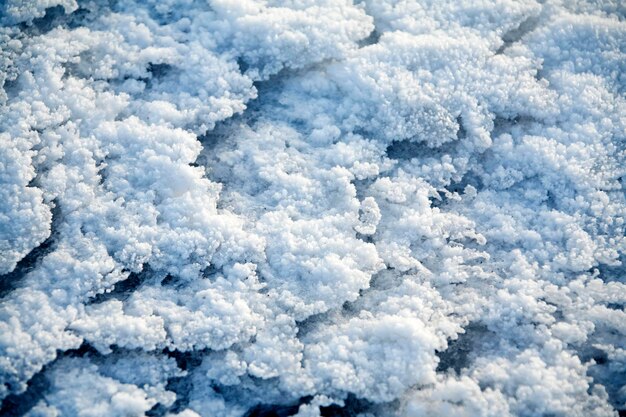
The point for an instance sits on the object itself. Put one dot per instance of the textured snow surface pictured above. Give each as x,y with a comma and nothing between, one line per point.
312,208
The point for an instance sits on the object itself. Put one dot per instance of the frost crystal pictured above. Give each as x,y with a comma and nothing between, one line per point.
312,207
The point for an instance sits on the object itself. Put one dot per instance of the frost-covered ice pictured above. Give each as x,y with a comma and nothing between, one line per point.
312,208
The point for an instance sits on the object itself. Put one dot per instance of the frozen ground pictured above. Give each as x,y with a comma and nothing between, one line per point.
312,207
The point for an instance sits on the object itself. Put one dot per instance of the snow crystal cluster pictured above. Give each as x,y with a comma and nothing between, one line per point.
404,208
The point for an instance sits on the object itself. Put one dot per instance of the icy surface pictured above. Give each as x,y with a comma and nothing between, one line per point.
312,208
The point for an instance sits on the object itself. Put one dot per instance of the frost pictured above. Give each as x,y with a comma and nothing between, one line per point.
307,207
24,208
16,11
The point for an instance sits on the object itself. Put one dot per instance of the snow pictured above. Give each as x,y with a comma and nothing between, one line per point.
396,208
